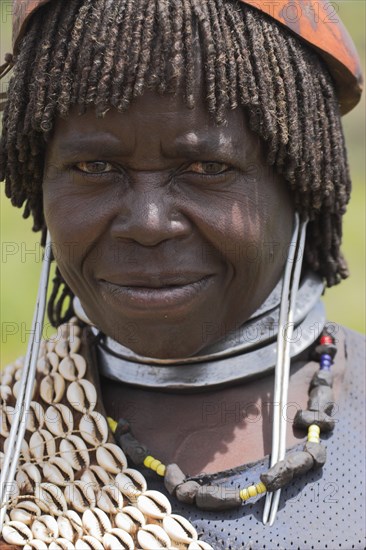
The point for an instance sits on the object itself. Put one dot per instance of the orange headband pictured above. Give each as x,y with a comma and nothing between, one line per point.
314,21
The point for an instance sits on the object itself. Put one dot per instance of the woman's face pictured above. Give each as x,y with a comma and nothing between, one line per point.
170,229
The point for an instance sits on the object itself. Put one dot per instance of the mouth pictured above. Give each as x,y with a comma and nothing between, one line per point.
156,295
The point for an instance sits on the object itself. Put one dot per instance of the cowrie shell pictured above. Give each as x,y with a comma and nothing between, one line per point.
5,392
69,525
131,483
50,345
15,532
53,360
96,523
42,444
52,388
19,362
24,449
6,378
50,498
6,417
8,370
179,529
80,495
153,536
34,417
82,395
25,512
61,347
88,543
61,544
72,367
57,470
110,499
37,544
130,519
154,504
111,458
28,477
48,363
96,476
70,334
17,386
118,539
94,428
75,452
59,420
74,344
199,545
18,374
45,528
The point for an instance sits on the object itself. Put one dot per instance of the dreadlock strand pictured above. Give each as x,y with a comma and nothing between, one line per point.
229,63
135,54
208,54
220,62
188,57
177,46
124,48
68,92
146,49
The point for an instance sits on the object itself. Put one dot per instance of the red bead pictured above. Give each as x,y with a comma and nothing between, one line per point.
326,339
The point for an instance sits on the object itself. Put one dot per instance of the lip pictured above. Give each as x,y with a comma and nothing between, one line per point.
156,295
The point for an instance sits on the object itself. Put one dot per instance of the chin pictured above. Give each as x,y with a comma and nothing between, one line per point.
160,346
161,350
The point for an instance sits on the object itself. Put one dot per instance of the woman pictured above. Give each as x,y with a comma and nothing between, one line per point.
157,143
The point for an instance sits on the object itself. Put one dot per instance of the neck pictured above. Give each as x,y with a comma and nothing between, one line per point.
215,430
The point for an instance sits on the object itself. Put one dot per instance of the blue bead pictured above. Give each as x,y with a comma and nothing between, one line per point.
325,361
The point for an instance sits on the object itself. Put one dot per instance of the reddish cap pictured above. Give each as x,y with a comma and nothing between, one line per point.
314,21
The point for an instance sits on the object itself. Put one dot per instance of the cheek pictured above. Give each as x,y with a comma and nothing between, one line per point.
75,221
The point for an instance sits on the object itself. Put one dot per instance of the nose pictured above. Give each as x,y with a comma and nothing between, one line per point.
149,214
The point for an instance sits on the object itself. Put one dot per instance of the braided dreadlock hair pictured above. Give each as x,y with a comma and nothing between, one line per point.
105,53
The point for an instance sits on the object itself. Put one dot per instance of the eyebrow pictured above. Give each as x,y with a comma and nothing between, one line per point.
103,143
194,144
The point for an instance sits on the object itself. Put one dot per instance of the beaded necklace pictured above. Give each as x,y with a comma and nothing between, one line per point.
210,497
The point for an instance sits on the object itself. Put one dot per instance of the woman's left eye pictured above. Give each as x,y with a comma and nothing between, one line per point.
209,168
95,167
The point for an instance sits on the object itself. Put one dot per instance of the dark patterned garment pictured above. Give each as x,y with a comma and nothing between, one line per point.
321,509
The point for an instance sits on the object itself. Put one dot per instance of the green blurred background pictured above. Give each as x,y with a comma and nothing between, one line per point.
20,261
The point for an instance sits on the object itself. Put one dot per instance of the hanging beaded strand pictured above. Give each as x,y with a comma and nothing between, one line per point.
315,419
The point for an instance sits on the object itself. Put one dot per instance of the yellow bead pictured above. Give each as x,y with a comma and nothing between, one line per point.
148,460
244,495
313,439
314,428
154,464
112,424
252,491
160,470
261,488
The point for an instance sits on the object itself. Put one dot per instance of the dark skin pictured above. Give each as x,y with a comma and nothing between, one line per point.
141,206
179,240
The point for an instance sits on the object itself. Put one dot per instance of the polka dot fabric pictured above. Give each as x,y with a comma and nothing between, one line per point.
324,509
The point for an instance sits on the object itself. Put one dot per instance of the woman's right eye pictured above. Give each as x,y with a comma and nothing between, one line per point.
95,167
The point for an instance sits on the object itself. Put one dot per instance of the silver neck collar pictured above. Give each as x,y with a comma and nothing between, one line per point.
247,353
